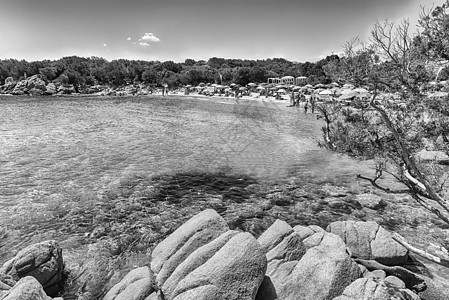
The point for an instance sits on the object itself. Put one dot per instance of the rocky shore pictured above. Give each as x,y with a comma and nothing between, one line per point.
205,259
37,86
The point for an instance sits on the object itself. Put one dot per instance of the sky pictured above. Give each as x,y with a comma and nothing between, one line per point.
297,30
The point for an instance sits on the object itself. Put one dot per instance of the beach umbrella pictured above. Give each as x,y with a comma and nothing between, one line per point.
308,86
348,86
438,95
347,91
319,86
242,88
347,96
281,86
281,91
232,84
364,95
251,84
260,88
360,90
326,92
297,88
334,84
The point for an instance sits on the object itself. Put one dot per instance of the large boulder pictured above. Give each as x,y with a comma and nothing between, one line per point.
42,261
325,239
368,240
373,289
274,235
9,84
306,231
20,88
203,259
136,285
305,262
235,271
28,288
196,232
66,89
322,273
35,82
50,89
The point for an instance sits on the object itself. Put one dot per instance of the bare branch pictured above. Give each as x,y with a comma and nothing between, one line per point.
385,189
422,253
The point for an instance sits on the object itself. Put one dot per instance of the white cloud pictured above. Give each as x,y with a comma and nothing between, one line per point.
149,37
105,45
128,39
144,44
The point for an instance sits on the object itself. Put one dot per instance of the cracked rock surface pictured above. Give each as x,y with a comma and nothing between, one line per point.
368,240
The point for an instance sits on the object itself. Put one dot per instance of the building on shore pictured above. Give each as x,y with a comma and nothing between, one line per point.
288,80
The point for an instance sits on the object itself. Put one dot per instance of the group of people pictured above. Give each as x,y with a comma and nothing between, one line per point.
295,100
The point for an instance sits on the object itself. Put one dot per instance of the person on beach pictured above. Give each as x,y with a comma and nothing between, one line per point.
312,105
306,106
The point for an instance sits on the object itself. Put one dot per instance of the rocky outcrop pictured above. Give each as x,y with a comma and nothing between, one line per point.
376,270
42,261
20,88
308,263
374,289
274,235
66,89
368,240
33,85
136,285
9,84
28,288
321,273
51,89
203,259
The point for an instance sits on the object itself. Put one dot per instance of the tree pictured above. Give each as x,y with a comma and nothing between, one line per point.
393,133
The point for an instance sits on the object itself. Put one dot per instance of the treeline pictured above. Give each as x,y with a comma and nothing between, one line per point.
81,71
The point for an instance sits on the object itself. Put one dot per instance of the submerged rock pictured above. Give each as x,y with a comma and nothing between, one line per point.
371,201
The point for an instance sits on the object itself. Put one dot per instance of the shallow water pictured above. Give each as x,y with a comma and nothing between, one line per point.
52,144
60,155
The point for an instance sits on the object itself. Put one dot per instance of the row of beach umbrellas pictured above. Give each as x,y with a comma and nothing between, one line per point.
345,92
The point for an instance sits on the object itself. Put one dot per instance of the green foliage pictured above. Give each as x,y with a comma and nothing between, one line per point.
394,128
81,71
434,39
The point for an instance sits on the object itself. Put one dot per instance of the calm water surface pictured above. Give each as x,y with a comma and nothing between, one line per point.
52,147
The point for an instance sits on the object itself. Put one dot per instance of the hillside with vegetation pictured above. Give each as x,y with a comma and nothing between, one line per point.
84,72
